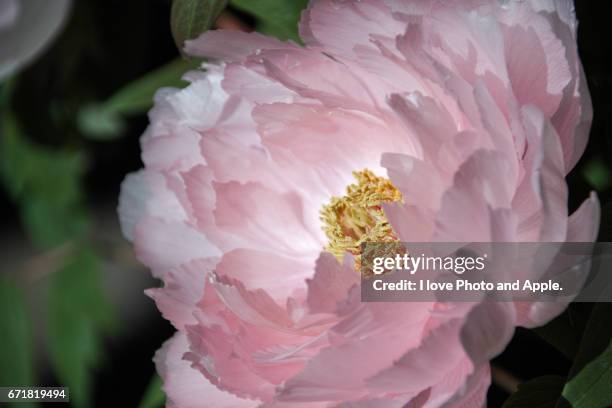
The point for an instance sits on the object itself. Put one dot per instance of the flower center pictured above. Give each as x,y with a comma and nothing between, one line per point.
358,217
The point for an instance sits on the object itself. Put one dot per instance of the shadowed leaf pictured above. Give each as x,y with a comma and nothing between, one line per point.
16,338
564,331
541,392
154,396
278,18
79,317
595,340
44,182
592,387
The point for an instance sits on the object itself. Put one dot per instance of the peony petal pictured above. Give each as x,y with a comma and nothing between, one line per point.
469,205
425,366
550,170
474,392
163,245
297,70
263,219
185,386
230,45
330,284
583,224
339,26
146,193
339,372
183,289
487,330
419,182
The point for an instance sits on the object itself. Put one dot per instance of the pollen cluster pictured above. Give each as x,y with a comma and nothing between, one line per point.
358,217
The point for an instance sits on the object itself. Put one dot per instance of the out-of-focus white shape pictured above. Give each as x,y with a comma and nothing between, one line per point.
26,27
9,10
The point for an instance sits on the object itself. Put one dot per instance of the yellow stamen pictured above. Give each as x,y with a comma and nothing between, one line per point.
358,217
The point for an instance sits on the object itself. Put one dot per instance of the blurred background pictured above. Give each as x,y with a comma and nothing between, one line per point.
72,308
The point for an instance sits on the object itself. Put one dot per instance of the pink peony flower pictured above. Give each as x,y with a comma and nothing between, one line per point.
398,120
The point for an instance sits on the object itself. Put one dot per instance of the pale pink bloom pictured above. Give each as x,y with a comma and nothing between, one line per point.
475,110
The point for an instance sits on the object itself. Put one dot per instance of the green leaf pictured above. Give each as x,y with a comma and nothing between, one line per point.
45,183
79,317
190,18
564,332
278,18
541,392
154,396
16,343
105,120
50,224
16,339
592,387
595,339
597,174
